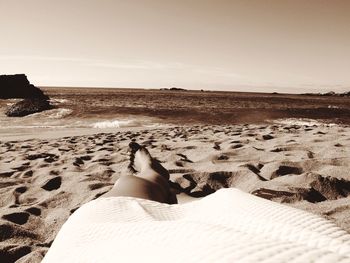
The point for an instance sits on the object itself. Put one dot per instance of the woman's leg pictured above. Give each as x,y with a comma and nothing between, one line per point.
150,181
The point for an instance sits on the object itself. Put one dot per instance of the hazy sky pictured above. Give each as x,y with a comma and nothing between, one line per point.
251,45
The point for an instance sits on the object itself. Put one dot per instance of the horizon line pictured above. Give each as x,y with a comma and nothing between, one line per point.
186,89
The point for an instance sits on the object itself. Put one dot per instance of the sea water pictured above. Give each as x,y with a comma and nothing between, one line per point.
100,108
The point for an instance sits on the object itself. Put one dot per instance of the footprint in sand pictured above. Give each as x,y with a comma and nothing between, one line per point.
78,162
267,137
105,149
184,158
26,147
104,175
105,161
217,146
182,162
22,167
53,184
86,157
34,211
41,156
254,169
12,253
21,189
310,195
51,159
63,150
8,231
6,174
222,157
99,185
201,184
310,154
165,147
236,146
285,169
258,149
19,218
278,149
190,147
54,172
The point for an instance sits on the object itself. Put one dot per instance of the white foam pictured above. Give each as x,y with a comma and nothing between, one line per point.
58,101
51,114
302,122
59,113
116,124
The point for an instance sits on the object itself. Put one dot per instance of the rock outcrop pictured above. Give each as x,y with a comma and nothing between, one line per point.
28,106
18,86
174,89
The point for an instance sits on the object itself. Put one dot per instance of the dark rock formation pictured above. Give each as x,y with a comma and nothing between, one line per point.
177,89
18,86
173,89
28,106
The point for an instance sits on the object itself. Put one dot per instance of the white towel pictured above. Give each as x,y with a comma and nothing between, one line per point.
227,226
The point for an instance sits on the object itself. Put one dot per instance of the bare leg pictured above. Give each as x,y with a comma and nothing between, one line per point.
151,180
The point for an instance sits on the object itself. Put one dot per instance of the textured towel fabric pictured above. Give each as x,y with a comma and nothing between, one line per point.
227,226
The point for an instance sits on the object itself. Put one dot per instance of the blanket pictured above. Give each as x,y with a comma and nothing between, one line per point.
227,226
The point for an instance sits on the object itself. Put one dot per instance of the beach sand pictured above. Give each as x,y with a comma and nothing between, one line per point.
43,180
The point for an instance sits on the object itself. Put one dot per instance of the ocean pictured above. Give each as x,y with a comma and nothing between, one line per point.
100,108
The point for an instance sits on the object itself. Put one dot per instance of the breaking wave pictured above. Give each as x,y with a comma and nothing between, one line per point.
50,114
116,124
59,113
301,122
58,101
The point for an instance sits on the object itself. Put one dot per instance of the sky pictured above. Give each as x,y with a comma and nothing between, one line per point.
239,45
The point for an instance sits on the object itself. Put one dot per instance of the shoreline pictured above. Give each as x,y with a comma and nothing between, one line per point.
55,133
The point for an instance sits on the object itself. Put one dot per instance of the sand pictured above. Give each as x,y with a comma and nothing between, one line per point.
44,180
